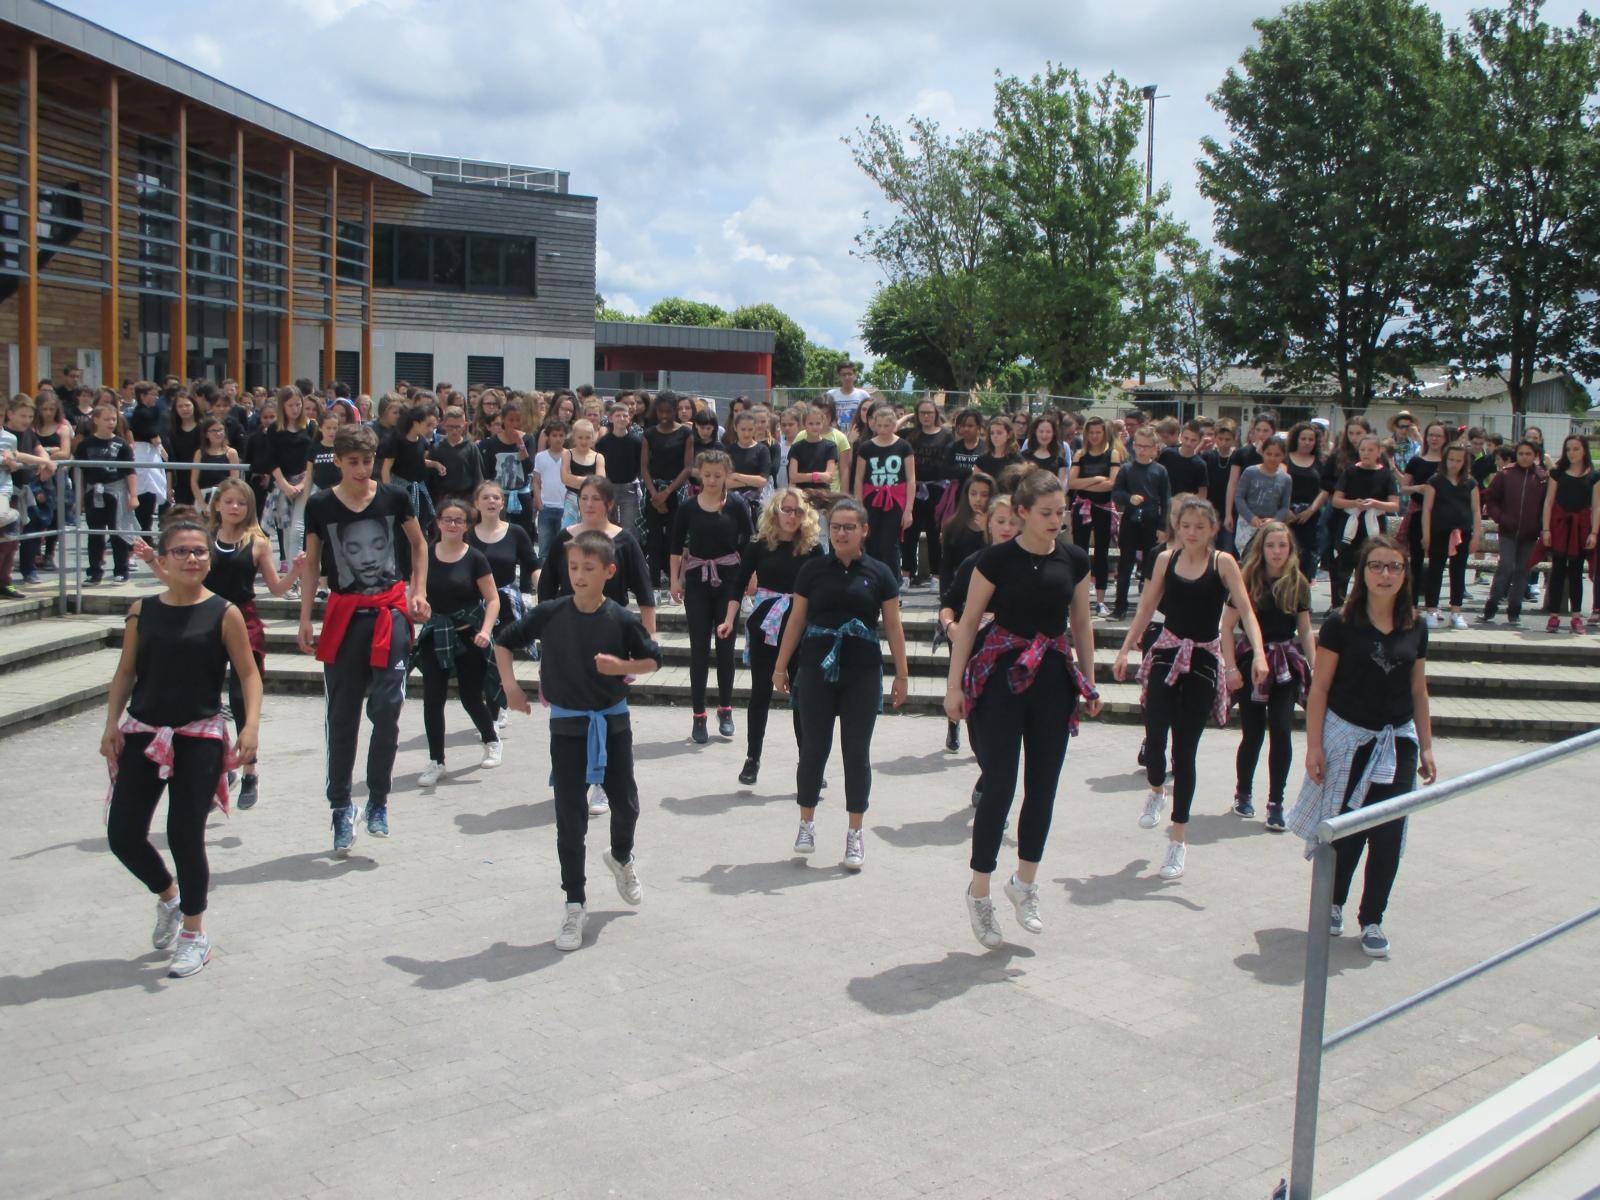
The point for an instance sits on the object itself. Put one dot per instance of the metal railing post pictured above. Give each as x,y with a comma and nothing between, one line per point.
61,543
78,544
1313,1016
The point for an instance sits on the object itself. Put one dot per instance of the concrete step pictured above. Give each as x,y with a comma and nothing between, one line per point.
46,691
40,641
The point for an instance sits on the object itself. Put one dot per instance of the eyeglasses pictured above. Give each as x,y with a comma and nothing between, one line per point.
1387,568
188,552
789,510
452,520
850,528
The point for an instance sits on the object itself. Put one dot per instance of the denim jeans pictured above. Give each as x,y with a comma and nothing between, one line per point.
549,529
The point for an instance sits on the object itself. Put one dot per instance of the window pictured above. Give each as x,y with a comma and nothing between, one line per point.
352,252
452,260
415,369
551,373
347,368
490,372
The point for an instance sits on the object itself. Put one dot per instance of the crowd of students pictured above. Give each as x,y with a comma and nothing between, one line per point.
454,555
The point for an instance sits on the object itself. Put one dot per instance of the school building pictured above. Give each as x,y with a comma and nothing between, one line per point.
154,219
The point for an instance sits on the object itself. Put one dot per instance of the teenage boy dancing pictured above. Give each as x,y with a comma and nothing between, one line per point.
590,644
364,537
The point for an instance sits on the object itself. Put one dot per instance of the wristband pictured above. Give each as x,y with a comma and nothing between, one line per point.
1092,694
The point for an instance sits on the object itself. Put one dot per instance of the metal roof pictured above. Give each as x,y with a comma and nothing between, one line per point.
97,42
683,337
1432,383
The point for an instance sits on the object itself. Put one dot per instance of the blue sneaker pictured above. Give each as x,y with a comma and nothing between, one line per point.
378,819
1374,943
344,830
1243,807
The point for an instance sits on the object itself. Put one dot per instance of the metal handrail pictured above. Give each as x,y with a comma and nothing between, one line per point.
1314,993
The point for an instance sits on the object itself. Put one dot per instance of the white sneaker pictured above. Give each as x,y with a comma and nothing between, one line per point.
1434,620
1457,621
191,956
627,877
855,850
491,755
1024,898
806,840
985,926
429,775
502,720
571,935
1172,868
1153,804
169,917
599,805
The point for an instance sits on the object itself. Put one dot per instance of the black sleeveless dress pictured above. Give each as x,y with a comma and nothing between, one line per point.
181,662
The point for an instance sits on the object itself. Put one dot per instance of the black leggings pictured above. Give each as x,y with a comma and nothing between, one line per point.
469,671
569,759
1382,843
923,522
196,767
1274,719
1346,554
1305,538
236,701
1004,725
1183,709
1439,557
1136,541
852,700
1566,580
762,659
1096,530
705,607
104,516
658,538
883,536
145,511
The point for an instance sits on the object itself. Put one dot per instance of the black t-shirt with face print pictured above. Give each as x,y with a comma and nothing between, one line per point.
364,552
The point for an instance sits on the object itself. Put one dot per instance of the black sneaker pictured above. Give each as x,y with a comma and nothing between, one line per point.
699,735
1141,753
12,592
249,792
1514,621
1119,612
952,737
752,768
977,795
1486,617
1275,818
725,722
92,577
120,577
1242,807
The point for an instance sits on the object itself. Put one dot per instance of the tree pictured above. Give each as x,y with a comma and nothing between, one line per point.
674,310
1072,216
1187,349
939,312
887,376
1526,298
1334,192
788,353
822,365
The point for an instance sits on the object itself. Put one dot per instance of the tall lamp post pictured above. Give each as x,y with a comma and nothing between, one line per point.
1148,91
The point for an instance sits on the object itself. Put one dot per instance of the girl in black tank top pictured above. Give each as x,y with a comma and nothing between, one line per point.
170,677
1182,671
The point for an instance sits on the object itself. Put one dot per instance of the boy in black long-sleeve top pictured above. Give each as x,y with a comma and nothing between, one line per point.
1141,493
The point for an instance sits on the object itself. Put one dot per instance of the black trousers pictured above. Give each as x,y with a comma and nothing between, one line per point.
883,536
852,700
658,538
569,759
1006,725
1182,710
1096,533
923,522
1382,844
349,681
1346,555
1439,557
145,511
1135,541
1566,584
1305,539
236,701
762,659
196,767
103,515
471,668
1273,720
705,607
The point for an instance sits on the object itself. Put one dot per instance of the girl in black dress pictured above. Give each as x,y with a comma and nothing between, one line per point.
1572,498
175,651
1090,481
963,532
664,471
1306,495
512,561
1452,530
183,443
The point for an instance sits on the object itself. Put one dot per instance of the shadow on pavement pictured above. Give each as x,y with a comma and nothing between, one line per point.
1136,881
461,737
85,979
1131,782
99,845
507,820
766,879
931,763
497,963
917,987
1280,957
648,750
953,830
716,806
295,868
1209,828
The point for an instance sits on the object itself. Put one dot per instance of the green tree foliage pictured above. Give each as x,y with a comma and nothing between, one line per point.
1185,344
1525,297
939,313
822,366
673,310
1072,219
788,353
1334,191
887,376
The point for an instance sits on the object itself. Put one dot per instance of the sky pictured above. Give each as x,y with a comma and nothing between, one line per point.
712,133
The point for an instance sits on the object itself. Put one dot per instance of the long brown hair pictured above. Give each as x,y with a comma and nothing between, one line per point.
1288,591
1355,608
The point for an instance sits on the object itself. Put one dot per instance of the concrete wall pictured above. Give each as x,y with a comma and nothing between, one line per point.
450,349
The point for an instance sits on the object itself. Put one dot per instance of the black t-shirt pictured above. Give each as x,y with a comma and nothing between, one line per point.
961,460
144,423
232,574
754,459
1421,469
503,461
1452,502
1218,468
632,577
954,588
886,465
1574,492
27,443
622,456
107,450
325,471
835,594
666,452
569,641
1032,592
409,458
959,544
1094,466
1053,463
776,570
363,552
511,558
1359,483
806,456
1305,483
1150,481
454,586
707,534
182,445
1372,685
180,663
463,469
257,453
992,465
1185,474
931,450
1276,624
1483,468
289,449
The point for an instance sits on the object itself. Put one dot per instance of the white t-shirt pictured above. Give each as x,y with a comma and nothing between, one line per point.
845,407
547,466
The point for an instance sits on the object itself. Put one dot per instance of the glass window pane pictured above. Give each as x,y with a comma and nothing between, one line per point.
412,257
519,264
483,271
449,260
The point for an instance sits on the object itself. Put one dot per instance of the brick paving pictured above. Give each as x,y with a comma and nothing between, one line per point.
399,1024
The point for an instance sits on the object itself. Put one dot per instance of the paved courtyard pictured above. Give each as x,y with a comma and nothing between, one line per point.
399,1024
